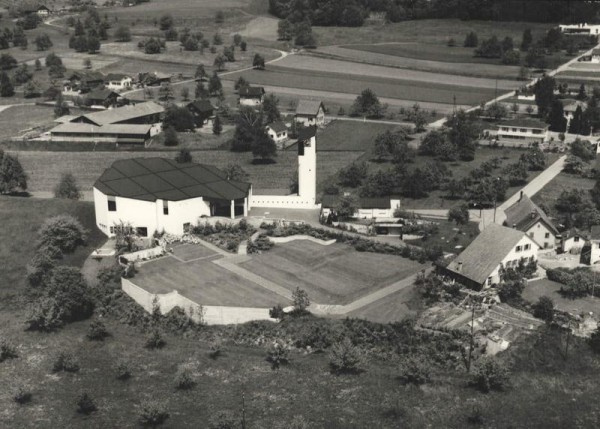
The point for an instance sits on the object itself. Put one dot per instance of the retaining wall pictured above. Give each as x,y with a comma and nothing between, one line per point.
301,237
144,254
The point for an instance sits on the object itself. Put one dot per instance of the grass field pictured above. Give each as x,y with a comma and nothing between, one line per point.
354,84
45,168
204,283
449,236
563,182
333,274
545,287
15,120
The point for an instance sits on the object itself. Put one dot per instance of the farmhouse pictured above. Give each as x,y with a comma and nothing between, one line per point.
154,79
496,248
118,81
102,97
42,11
366,208
310,112
278,132
526,216
82,81
158,194
523,131
202,111
251,95
142,113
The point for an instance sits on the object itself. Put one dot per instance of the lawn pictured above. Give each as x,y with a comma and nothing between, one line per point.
399,306
545,287
353,84
451,237
204,283
548,195
45,168
17,120
334,274
21,219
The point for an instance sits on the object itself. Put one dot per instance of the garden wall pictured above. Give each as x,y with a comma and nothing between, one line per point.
209,314
302,237
153,252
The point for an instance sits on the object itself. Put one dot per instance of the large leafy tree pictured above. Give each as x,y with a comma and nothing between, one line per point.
367,104
12,175
270,108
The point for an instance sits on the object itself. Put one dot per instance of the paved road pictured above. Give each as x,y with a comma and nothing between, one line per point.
369,121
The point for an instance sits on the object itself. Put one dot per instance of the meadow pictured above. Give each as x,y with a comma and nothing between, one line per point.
548,195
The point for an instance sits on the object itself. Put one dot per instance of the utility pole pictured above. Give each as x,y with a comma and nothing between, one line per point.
471,342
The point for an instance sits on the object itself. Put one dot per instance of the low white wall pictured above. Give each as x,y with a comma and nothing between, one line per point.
301,237
210,314
154,252
282,201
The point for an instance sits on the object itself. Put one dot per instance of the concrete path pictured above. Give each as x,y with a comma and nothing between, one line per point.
369,121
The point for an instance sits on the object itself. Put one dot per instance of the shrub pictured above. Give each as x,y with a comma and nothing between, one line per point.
22,395
300,300
152,413
154,340
65,362
62,231
415,370
277,355
544,309
216,349
184,379
70,293
85,404
594,341
44,315
223,420
345,358
97,331
276,312
67,188
490,374
123,371
7,351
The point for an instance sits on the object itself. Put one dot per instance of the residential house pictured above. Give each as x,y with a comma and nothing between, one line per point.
118,81
594,243
202,111
573,240
522,131
278,132
42,11
133,124
526,216
251,95
366,208
580,29
494,249
80,82
160,195
102,97
154,79
310,112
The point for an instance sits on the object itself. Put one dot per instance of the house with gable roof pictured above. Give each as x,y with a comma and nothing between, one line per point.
278,132
310,113
251,95
528,217
480,265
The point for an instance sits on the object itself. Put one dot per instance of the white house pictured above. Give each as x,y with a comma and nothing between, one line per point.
573,240
310,112
523,131
526,216
118,81
580,29
496,248
157,194
366,208
594,243
251,95
278,132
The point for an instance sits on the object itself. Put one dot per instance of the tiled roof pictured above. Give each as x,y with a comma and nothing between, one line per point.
252,91
115,76
150,179
525,213
524,123
486,252
308,107
100,94
82,128
124,113
277,126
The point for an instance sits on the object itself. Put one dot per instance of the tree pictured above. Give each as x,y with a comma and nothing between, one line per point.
241,83
22,74
200,72
544,94
85,404
166,22
201,92
67,188
219,62
496,111
60,107
38,64
353,175
367,104
31,89
300,300
243,46
345,357
71,293
271,109
12,175
152,46
219,17
556,117
285,30
87,63
171,138
526,40
346,207
63,232
471,40
237,39
418,117
544,309
217,128
43,42
463,134
581,95
6,87
490,374
19,38
184,156
122,34
303,35
263,146
215,87
583,149
217,39
178,118
459,215
185,93
235,172
489,48
258,62
165,92
507,44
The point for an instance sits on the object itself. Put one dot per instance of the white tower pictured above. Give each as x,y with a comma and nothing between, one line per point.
307,165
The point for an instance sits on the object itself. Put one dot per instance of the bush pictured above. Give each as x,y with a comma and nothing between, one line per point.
276,312
345,358
97,331
544,309
184,379
490,374
415,370
40,266
65,362
277,355
261,244
216,349
300,300
154,340
152,413
44,315
22,395
67,188
223,420
123,371
85,404
7,351
62,231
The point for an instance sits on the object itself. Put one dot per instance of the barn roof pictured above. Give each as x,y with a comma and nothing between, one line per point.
308,107
82,128
124,113
150,179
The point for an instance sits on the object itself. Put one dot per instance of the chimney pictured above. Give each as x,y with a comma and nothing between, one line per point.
514,226
459,267
521,196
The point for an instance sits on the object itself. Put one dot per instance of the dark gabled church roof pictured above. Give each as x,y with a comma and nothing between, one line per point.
149,179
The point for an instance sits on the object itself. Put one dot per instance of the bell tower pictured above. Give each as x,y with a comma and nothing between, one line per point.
307,165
